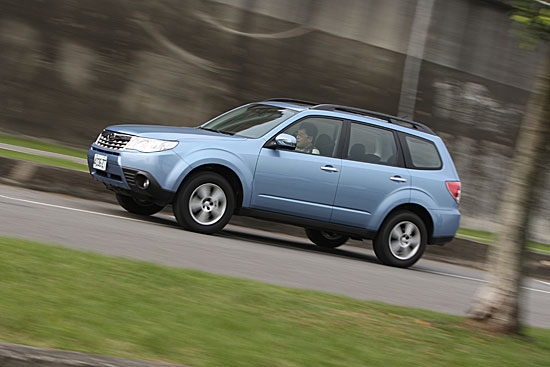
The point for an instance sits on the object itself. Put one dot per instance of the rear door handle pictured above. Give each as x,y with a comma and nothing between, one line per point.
329,169
398,179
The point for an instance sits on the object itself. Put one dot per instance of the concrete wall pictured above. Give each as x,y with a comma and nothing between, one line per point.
68,68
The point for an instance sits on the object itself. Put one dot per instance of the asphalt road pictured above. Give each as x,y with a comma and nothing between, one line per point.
252,254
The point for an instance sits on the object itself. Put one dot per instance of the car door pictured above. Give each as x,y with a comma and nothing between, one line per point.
371,179
300,183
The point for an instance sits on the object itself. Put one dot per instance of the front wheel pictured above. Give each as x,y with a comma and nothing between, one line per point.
205,203
401,240
137,206
326,239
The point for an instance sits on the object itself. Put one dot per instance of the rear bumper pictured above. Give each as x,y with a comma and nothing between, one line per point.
441,240
446,223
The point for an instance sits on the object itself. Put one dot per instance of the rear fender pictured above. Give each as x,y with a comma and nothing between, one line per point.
398,198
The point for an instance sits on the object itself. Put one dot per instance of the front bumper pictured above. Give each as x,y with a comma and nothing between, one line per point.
140,183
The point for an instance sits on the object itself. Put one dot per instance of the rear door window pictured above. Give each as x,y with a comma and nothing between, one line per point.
372,145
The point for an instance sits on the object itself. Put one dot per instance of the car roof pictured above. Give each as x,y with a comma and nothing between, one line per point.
301,105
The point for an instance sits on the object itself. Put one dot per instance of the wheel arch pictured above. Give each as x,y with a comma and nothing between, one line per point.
223,171
418,210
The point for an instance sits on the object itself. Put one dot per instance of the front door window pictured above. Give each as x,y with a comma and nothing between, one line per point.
301,182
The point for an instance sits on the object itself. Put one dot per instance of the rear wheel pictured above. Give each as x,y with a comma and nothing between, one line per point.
326,239
205,203
401,240
138,206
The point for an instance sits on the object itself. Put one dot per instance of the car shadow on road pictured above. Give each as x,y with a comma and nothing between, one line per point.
299,245
260,237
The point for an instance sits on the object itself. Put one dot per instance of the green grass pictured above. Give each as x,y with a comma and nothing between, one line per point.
60,298
490,238
34,144
58,162
479,236
47,147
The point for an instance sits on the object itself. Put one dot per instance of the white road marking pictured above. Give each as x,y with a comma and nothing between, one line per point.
484,281
453,275
71,209
140,220
540,281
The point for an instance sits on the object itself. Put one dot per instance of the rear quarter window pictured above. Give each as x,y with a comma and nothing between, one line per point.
423,153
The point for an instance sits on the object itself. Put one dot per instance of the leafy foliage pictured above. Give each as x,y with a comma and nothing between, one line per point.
534,16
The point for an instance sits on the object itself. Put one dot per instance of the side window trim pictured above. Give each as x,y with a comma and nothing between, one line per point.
343,144
405,148
400,151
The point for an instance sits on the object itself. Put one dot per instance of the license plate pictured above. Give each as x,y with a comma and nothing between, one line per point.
100,162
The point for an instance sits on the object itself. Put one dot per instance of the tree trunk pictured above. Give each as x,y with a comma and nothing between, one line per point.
496,306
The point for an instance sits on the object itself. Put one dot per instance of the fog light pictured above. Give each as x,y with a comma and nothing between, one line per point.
142,182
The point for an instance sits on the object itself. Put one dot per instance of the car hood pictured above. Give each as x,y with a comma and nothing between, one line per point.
170,132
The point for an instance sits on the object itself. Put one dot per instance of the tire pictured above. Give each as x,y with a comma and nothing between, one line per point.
326,239
401,240
136,206
205,203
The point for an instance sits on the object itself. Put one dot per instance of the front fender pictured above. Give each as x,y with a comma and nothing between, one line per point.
242,165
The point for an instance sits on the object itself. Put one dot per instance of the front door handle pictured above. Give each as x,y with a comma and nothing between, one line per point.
398,179
329,169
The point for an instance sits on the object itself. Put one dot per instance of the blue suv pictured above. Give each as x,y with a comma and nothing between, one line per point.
339,172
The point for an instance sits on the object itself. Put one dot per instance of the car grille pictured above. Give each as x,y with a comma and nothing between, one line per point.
130,176
112,140
112,176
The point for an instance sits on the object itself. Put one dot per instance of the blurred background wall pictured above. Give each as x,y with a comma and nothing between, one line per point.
68,68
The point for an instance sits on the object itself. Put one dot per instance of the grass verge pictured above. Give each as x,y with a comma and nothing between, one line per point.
57,162
34,144
66,299
490,238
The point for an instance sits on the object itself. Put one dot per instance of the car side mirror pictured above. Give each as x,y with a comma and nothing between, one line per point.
283,141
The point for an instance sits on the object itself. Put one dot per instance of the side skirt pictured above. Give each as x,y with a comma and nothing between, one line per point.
354,232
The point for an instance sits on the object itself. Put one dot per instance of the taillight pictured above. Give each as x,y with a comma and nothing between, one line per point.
454,189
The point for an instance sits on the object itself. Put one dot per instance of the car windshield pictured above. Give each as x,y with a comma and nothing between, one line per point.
252,121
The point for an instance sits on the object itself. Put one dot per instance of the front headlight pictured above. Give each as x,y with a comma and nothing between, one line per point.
147,145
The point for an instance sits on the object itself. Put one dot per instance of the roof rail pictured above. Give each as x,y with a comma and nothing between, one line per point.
292,100
388,118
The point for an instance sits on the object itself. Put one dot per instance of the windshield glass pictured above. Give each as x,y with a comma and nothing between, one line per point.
250,121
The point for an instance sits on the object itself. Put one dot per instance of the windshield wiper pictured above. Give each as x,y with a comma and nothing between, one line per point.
217,131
